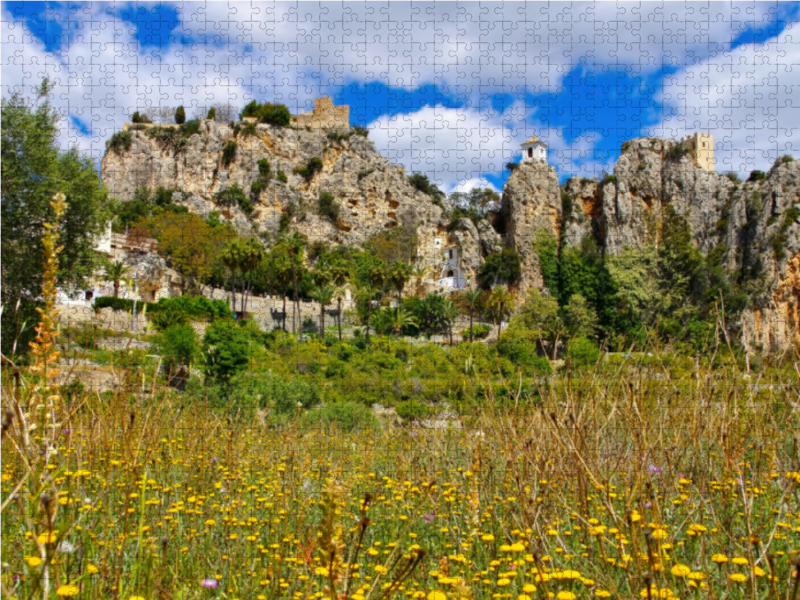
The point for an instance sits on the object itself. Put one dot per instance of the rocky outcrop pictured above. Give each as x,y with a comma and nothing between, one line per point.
531,201
753,226
371,193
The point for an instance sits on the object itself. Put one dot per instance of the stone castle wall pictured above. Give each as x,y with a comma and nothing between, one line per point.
324,116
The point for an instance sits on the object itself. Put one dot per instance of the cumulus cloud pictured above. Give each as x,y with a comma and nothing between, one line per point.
231,52
451,146
747,98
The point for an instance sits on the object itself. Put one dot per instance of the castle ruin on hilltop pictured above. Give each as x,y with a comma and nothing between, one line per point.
702,144
324,116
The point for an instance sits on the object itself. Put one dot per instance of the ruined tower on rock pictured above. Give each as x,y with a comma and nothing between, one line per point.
324,116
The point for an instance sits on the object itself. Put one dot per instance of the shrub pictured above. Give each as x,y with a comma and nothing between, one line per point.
424,185
313,167
250,390
137,117
274,114
256,188
512,166
337,137
177,344
88,336
168,138
608,179
500,268
677,152
411,410
212,114
479,332
346,416
327,207
226,347
309,325
171,317
281,176
362,131
522,350
582,352
114,303
786,158
189,128
732,176
180,115
264,169
234,196
119,142
228,153
757,176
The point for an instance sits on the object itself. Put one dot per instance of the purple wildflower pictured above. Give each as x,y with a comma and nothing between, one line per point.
209,582
429,518
654,469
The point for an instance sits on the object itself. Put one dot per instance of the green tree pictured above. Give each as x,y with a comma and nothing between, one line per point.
212,114
395,319
399,276
540,315
226,347
420,272
230,257
180,115
499,305
339,277
116,271
450,314
500,268
251,255
545,245
471,300
177,344
324,295
33,170
579,318
366,294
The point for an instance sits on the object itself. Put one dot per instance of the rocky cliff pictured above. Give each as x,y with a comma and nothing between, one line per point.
754,225
371,194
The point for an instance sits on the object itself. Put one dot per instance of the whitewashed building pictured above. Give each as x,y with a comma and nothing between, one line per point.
452,276
534,149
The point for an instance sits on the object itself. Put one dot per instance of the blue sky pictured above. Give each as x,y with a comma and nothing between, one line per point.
449,89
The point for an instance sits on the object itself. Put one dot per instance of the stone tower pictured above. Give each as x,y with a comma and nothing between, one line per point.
703,146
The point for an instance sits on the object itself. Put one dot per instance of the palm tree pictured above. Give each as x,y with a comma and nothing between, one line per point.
499,305
399,318
230,258
399,276
368,293
294,247
322,294
450,313
471,299
379,276
339,276
251,253
419,273
116,271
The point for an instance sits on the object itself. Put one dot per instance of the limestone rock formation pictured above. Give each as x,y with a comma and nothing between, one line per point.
371,193
753,225
531,201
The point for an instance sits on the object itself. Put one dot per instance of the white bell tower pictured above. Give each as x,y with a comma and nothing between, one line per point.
534,149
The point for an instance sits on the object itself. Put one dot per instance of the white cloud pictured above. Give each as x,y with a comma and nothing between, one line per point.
747,98
299,51
451,146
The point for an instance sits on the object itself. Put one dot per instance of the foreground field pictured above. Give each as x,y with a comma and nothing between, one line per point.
630,484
